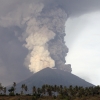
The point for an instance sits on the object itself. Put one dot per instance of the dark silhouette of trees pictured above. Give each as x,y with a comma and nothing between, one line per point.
1,88
14,85
4,90
34,90
57,92
11,91
24,89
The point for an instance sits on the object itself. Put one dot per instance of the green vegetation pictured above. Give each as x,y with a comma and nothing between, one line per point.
49,92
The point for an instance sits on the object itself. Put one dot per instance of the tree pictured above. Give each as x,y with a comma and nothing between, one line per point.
44,89
26,88
34,90
38,90
14,85
49,90
11,91
4,90
1,88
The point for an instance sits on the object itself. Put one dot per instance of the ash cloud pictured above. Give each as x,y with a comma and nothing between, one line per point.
32,32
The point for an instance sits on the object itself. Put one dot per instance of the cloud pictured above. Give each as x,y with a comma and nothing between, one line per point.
84,52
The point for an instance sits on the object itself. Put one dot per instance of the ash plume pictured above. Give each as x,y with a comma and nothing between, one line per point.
45,39
44,36
42,25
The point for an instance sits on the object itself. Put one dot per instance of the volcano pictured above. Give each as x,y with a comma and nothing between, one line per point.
53,77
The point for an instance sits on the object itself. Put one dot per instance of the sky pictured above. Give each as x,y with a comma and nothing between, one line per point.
82,35
84,46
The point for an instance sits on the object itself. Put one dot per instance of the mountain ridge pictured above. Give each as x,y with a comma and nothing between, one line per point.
52,77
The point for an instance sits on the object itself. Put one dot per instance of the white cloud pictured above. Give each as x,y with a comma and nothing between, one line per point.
84,54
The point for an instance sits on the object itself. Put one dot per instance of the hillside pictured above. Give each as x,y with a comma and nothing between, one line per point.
52,77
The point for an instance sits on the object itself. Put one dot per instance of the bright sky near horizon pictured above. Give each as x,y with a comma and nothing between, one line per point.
83,41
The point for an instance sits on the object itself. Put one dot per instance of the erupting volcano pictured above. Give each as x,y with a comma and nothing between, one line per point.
37,31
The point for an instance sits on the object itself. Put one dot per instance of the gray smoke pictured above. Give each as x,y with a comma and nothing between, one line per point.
44,37
38,25
44,31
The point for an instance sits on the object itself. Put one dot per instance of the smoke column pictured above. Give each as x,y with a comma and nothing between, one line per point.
45,31
43,25
45,38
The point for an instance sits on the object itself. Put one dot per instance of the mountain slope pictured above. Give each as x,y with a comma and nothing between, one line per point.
52,77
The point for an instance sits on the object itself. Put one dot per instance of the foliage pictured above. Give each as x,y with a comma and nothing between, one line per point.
50,92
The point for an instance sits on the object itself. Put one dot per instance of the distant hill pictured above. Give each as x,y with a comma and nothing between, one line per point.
52,77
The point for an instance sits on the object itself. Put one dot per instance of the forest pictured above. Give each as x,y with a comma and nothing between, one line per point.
50,92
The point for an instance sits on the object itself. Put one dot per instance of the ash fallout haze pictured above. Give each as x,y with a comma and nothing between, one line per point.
32,35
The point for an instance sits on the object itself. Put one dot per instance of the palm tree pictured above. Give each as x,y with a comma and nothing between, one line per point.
4,90
14,85
55,88
38,90
44,89
34,90
26,88
0,84
70,87
65,92
11,91
58,89
61,88
23,87
49,90
1,88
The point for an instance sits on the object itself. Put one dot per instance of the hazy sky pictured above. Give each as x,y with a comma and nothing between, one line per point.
84,46
82,36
